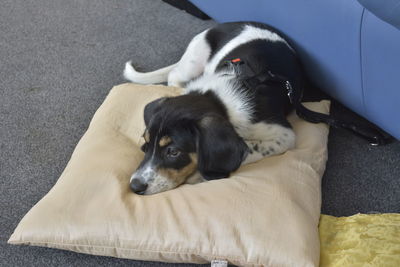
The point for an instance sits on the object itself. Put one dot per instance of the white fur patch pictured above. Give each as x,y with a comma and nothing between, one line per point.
146,173
237,102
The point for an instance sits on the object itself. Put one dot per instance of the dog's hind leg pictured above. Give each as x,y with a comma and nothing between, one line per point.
192,63
190,66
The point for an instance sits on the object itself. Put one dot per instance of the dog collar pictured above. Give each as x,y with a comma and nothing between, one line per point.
251,79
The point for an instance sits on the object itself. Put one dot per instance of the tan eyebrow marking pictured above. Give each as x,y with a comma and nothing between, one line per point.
164,141
146,136
193,157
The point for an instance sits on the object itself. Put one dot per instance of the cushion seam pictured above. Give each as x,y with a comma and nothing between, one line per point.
136,249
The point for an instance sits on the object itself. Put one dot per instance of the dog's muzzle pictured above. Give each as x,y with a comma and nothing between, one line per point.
141,178
138,187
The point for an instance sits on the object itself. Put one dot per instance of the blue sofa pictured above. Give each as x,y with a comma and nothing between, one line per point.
351,49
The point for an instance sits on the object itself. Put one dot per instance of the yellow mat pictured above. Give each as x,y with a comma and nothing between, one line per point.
360,240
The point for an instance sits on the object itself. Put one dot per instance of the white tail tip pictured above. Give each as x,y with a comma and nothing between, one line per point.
129,71
157,76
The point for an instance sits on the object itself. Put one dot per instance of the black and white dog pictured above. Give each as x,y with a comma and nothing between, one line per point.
219,122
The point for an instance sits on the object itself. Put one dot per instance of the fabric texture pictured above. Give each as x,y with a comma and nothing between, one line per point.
266,213
360,240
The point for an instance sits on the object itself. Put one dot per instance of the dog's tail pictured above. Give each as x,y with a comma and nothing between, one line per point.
157,76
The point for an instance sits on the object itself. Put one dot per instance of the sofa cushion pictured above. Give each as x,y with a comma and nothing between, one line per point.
386,10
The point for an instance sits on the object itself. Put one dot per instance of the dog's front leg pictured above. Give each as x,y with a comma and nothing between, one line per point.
259,149
253,155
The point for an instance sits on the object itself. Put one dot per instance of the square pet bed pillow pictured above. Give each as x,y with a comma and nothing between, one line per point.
265,214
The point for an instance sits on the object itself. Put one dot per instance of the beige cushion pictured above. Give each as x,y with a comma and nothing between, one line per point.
266,214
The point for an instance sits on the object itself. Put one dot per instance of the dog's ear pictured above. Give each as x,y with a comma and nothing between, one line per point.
220,149
151,109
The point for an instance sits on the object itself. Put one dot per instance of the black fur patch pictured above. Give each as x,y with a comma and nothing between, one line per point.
217,37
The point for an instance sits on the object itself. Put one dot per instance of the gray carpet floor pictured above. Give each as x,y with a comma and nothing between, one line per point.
59,59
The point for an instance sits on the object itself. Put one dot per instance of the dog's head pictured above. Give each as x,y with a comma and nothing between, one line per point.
183,135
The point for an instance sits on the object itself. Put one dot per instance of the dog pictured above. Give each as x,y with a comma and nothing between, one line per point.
219,122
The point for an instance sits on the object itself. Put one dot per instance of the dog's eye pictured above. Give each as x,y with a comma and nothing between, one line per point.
173,152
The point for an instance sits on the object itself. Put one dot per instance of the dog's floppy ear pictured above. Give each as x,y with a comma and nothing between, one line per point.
220,149
151,109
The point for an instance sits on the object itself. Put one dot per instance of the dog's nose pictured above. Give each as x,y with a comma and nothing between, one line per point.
138,187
